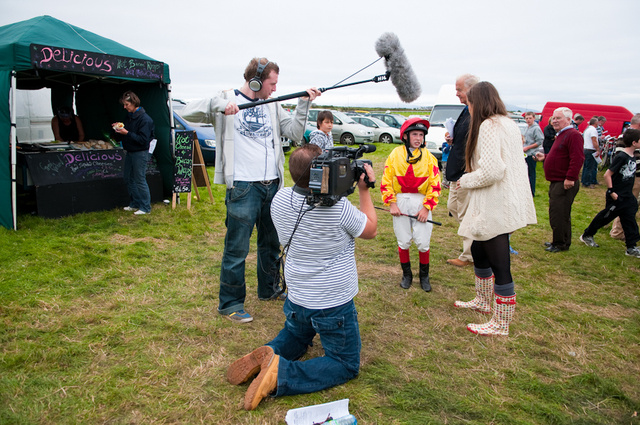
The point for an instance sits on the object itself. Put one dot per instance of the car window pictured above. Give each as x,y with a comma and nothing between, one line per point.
313,116
440,113
343,119
178,124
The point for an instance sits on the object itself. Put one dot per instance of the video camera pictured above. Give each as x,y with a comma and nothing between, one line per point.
335,173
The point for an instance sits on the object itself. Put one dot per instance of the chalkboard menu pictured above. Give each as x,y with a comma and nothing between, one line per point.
74,166
47,168
184,161
72,60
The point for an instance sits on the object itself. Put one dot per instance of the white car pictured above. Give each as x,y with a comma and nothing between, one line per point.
345,129
382,131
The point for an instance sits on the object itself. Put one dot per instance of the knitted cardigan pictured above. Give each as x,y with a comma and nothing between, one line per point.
500,198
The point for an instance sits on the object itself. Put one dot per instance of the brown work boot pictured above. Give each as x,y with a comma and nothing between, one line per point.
248,366
458,262
265,383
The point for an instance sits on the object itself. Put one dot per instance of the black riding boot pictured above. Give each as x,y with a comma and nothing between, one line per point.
407,276
424,277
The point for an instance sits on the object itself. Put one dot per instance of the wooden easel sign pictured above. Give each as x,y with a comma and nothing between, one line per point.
200,176
183,168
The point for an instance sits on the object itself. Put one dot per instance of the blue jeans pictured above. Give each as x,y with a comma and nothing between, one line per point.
135,176
531,166
340,336
590,168
248,205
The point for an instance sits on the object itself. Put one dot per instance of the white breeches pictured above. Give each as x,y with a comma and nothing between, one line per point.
408,229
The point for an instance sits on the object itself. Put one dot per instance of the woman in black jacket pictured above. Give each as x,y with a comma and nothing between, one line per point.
136,134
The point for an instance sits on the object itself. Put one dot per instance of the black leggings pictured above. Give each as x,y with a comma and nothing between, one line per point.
494,254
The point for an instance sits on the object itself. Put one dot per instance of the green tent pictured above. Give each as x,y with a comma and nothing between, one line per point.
77,65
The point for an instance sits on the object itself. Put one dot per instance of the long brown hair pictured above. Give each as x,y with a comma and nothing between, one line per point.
486,103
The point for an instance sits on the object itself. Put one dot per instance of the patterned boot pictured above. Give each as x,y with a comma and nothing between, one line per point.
484,296
503,309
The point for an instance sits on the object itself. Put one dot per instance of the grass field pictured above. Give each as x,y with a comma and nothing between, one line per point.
111,318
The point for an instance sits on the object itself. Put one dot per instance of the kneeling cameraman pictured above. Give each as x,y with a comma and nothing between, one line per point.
322,280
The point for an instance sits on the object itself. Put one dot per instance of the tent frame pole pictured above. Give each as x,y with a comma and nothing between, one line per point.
12,107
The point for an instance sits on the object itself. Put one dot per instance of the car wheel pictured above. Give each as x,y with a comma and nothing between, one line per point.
347,139
386,138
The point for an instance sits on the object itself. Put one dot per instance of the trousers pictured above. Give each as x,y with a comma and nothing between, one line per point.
340,336
560,203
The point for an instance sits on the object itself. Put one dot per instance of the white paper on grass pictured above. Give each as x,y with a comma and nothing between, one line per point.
317,414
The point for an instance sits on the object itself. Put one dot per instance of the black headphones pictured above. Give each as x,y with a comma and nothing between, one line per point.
255,84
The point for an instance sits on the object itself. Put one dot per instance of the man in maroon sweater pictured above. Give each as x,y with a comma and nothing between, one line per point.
561,168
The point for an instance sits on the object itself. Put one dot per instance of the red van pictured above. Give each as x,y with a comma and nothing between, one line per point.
617,116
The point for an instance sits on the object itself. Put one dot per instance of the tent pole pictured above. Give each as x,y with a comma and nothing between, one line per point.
13,149
171,121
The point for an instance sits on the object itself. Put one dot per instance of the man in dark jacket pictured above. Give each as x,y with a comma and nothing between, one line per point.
458,199
561,168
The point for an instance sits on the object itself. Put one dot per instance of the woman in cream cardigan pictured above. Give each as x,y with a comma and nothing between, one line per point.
500,203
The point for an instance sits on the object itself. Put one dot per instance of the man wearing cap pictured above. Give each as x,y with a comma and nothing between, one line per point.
411,187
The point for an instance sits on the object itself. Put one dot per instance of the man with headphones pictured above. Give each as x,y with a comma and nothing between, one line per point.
250,162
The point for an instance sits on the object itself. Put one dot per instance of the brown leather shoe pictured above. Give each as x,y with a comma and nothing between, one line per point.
265,383
458,262
248,366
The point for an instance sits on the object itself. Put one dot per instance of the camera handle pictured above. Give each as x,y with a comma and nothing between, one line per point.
370,185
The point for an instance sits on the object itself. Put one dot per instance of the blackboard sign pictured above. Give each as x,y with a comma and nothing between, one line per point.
183,169
47,168
72,60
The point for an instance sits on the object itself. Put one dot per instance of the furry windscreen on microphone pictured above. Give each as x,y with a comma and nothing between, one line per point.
402,75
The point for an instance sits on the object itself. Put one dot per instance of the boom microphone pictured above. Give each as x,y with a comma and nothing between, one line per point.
402,76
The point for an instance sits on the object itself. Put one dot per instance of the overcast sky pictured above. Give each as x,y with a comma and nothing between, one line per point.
533,52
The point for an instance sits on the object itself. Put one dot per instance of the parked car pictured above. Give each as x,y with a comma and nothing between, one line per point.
345,129
519,120
206,136
382,131
393,120
435,151
286,144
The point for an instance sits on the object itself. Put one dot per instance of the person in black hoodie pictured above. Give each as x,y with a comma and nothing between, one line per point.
135,135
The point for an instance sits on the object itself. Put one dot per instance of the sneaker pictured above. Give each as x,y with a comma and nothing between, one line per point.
140,212
130,209
239,317
588,241
633,252
281,297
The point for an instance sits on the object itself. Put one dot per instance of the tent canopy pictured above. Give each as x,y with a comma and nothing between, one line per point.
15,50
46,52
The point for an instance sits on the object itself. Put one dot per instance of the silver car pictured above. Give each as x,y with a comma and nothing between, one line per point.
345,129
394,120
382,132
